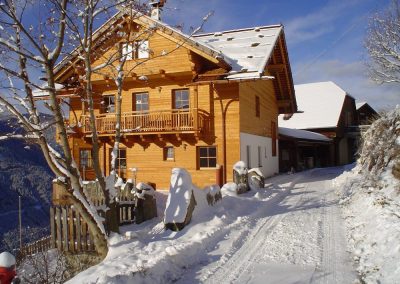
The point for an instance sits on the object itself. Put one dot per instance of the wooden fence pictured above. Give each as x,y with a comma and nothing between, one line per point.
41,245
69,232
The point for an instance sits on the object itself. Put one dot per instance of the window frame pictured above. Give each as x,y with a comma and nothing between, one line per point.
166,152
208,157
106,104
120,171
174,99
257,106
273,138
138,49
89,158
248,156
134,101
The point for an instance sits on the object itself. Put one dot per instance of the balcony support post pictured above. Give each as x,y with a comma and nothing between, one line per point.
196,108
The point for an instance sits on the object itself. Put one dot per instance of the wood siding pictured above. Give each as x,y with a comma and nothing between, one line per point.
249,122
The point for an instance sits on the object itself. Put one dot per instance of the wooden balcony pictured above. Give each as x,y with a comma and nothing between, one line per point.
151,122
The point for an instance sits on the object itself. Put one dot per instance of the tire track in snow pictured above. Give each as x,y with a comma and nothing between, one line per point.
229,271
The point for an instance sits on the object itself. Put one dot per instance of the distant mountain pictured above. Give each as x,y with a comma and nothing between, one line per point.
23,169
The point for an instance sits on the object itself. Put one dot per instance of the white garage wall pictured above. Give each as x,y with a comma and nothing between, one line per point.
269,164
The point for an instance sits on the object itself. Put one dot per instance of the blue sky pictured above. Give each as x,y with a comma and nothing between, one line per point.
324,37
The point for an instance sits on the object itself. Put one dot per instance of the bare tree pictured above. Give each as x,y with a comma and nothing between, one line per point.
26,49
383,45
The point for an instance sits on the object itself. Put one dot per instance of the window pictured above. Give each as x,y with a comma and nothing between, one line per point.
120,165
273,137
207,157
141,101
181,99
259,157
135,50
108,104
248,156
169,153
257,106
85,159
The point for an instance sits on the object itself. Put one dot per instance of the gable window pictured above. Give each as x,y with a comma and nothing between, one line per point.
169,153
181,99
207,157
85,159
120,165
273,137
141,101
257,106
108,104
135,50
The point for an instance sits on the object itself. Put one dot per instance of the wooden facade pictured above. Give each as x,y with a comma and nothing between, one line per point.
202,135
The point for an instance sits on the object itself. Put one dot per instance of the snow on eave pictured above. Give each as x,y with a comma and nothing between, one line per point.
303,134
239,30
38,93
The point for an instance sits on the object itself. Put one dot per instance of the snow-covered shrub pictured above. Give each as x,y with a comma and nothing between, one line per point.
381,144
143,189
240,176
256,179
213,194
372,202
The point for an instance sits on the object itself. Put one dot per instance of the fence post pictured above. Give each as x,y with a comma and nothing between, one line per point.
52,228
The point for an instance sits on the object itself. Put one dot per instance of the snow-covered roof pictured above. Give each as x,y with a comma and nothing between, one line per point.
38,93
321,104
302,134
360,105
246,49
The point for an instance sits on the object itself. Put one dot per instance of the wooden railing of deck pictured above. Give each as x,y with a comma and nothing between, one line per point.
169,121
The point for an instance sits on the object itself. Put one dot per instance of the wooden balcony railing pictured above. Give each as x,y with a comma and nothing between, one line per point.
167,121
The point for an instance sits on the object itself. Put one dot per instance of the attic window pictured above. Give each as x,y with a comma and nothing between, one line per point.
254,44
230,38
135,50
218,34
256,29
249,56
260,35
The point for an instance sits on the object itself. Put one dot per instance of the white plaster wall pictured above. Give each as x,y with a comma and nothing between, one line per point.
270,164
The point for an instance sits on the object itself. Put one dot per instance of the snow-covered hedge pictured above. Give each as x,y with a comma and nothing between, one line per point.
371,198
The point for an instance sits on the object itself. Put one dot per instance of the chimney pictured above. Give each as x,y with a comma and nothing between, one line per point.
156,9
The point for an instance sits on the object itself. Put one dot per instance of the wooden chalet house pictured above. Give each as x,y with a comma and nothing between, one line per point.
327,109
201,102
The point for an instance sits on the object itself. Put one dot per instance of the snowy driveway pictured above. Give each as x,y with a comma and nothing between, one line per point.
300,238
289,232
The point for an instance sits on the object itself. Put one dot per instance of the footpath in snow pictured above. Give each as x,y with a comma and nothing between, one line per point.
290,232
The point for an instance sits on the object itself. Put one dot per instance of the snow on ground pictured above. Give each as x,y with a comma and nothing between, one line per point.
289,231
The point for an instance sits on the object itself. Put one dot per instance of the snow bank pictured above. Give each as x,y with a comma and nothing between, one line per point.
371,202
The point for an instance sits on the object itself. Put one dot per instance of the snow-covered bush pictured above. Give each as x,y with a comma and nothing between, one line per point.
256,179
372,202
381,144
